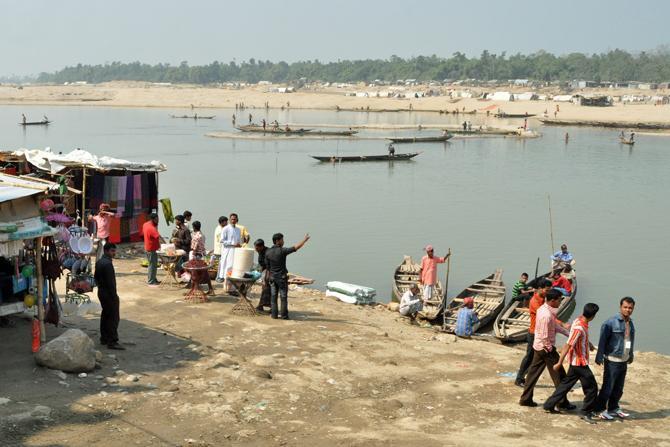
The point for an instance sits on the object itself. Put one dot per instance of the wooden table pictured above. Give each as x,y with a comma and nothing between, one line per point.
243,305
169,263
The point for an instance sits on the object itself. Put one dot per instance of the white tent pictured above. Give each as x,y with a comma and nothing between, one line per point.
501,96
528,96
562,98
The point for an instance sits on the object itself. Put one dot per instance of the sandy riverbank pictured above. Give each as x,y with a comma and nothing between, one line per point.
335,375
129,94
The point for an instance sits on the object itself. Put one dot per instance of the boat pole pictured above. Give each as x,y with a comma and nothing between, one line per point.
83,197
551,225
446,287
40,288
537,265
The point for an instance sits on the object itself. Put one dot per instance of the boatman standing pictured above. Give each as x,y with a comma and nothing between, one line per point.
391,150
428,276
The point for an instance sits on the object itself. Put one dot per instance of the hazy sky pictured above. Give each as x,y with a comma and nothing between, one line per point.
46,35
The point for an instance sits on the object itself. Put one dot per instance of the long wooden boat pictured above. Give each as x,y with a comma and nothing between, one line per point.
195,117
489,296
269,129
36,123
439,138
340,133
625,141
350,158
514,321
408,273
514,115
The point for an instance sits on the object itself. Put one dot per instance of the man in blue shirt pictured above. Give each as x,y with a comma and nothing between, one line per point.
466,318
615,350
562,257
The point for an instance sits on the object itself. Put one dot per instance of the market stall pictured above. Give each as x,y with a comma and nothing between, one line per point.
130,188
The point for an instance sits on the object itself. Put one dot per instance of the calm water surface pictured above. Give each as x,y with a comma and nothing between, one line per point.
484,198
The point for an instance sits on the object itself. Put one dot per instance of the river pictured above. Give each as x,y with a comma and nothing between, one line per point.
486,199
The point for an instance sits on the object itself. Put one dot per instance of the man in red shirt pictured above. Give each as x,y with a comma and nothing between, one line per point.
561,283
152,243
577,349
541,289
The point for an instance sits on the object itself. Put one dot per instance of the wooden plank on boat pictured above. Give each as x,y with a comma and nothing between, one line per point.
489,285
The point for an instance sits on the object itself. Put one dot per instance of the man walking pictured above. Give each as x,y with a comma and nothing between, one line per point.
105,279
429,272
577,349
542,287
544,350
276,263
152,243
615,350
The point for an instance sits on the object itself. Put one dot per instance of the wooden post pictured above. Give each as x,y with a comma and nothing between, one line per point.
446,288
83,197
40,288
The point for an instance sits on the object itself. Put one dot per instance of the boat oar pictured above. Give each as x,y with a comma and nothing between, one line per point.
446,288
537,265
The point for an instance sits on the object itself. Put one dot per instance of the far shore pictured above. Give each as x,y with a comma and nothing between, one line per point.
174,97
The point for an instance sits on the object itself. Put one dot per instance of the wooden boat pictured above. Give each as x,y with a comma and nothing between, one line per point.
328,133
195,117
625,141
514,115
345,158
513,322
36,123
489,296
439,138
270,129
406,274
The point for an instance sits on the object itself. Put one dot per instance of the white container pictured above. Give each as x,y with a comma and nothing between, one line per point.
243,260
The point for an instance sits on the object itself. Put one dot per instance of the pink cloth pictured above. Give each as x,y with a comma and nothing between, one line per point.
103,221
429,270
546,326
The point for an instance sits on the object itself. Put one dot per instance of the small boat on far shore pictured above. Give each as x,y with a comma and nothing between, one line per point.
434,139
350,158
513,115
195,117
272,130
489,296
36,123
629,141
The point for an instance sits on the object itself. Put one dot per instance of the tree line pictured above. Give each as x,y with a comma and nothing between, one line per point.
615,65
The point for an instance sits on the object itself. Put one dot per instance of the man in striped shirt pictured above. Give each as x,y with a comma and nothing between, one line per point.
577,350
544,352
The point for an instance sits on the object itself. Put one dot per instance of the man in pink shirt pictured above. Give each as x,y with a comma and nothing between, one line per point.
428,275
103,221
544,350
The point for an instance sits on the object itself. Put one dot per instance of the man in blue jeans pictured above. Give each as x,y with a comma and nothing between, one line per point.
615,350
275,258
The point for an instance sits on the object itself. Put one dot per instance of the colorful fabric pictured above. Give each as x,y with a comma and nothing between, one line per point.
103,222
198,243
429,269
535,302
563,283
546,326
578,340
166,204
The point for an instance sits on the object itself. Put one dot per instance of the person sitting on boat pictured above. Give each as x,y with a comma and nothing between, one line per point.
391,150
561,283
275,124
522,291
428,273
568,273
562,257
410,303
287,129
632,137
466,318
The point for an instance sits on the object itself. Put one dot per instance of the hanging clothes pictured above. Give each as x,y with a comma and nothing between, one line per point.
166,204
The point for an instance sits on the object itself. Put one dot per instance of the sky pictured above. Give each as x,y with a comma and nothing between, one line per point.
47,35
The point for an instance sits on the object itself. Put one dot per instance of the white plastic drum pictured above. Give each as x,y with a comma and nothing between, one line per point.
243,260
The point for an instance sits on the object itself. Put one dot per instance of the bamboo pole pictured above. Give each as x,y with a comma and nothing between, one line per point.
551,225
446,288
40,288
83,197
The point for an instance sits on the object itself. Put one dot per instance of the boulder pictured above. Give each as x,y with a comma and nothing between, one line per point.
73,351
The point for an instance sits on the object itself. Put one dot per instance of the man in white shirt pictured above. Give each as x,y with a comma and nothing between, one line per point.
223,221
411,303
231,238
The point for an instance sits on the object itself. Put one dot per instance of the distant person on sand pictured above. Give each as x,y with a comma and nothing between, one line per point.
544,351
410,303
276,263
615,350
466,318
577,349
428,273
465,126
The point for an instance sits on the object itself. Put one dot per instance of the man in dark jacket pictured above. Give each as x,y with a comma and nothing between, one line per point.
105,279
275,257
181,238
615,350
264,301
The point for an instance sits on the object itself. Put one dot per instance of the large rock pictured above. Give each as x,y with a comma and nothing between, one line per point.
73,351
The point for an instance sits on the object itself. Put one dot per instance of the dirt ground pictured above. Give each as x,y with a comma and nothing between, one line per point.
334,375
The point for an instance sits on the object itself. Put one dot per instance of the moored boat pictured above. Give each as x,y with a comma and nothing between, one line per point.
195,117
271,129
438,138
513,115
335,133
489,296
513,322
408,273
350,158
36,123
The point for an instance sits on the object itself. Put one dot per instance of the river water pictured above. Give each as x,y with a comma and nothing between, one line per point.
486,199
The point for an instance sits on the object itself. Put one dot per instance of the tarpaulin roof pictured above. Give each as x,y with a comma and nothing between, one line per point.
78,158
13,187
